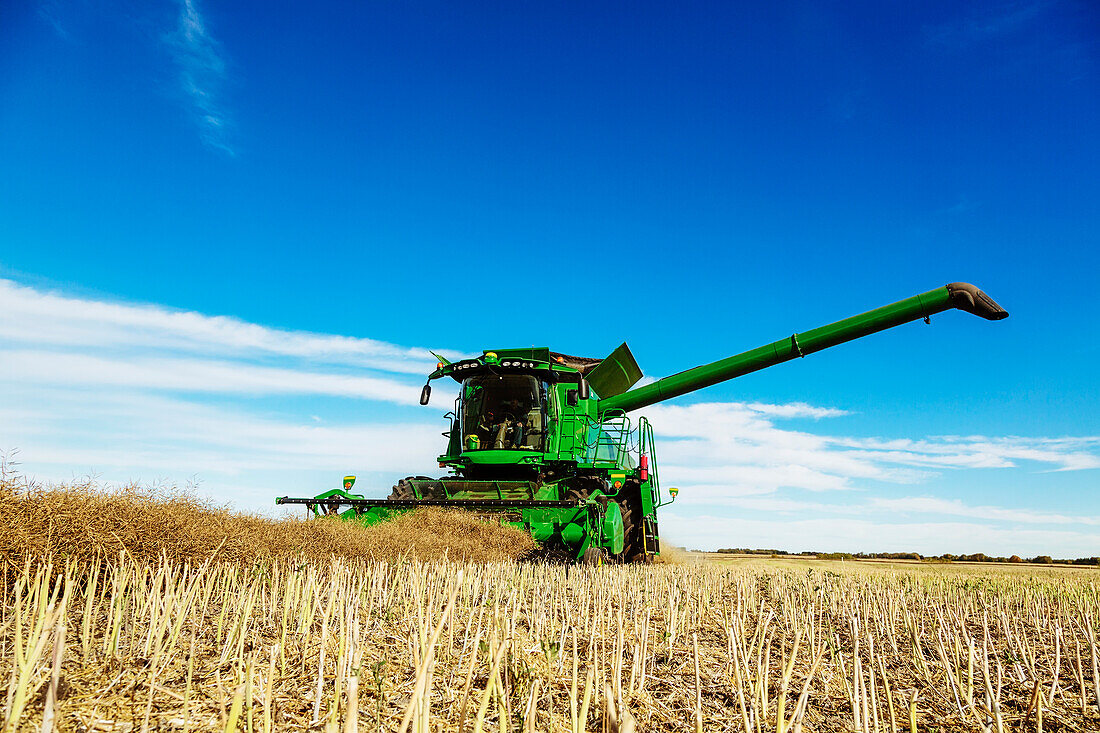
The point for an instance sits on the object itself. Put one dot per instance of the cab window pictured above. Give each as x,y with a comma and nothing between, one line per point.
505,412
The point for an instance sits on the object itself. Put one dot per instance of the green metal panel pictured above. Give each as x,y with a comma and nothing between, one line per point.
533,353
615,374
497,457
570,423
612,526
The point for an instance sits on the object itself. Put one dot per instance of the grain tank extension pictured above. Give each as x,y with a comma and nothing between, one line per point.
547,441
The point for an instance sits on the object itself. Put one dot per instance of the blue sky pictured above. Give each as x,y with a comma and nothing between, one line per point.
228,233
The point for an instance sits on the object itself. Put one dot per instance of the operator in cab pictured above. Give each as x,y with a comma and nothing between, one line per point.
503,413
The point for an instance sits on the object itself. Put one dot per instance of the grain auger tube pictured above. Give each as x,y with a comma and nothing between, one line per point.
545,441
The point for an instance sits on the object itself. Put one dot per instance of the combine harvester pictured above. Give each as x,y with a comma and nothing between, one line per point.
543,440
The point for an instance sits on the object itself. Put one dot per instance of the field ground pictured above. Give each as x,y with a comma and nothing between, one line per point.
792,561
748,644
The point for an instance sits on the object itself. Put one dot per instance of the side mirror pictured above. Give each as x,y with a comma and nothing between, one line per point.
582,389
571,397
425,394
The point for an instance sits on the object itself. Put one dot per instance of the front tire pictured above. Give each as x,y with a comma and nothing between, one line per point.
594,556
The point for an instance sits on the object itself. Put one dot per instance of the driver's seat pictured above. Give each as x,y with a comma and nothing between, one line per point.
532,436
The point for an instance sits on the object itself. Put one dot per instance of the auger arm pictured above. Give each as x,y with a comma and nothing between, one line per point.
962,296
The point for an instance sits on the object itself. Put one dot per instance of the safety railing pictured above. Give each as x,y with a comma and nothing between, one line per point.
611,440
647,446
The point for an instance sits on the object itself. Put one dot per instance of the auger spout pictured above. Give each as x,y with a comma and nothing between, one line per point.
962,296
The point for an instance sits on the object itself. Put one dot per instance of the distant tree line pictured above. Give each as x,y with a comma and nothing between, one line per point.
947,557
746,551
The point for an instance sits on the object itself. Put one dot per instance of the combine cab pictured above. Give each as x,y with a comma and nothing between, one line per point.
545,441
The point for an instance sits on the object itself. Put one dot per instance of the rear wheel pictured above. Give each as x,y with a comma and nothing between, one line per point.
630,504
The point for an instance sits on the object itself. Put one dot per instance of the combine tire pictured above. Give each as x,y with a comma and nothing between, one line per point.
630,504
595,556
403,489
580,489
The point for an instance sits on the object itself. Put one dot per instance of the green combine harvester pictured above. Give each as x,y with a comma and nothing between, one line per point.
546,442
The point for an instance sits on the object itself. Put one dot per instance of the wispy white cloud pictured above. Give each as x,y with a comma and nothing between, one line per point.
1059,454
154,434
957,508
195,375
795,409
848,534
32,316
980,22
884,510
129,391
231,454
735,459
729,450
49,11
202,70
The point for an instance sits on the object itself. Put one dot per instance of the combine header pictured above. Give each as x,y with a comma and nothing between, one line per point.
544,440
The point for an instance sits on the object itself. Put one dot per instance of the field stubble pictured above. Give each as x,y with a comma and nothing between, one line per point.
355,645
124,641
